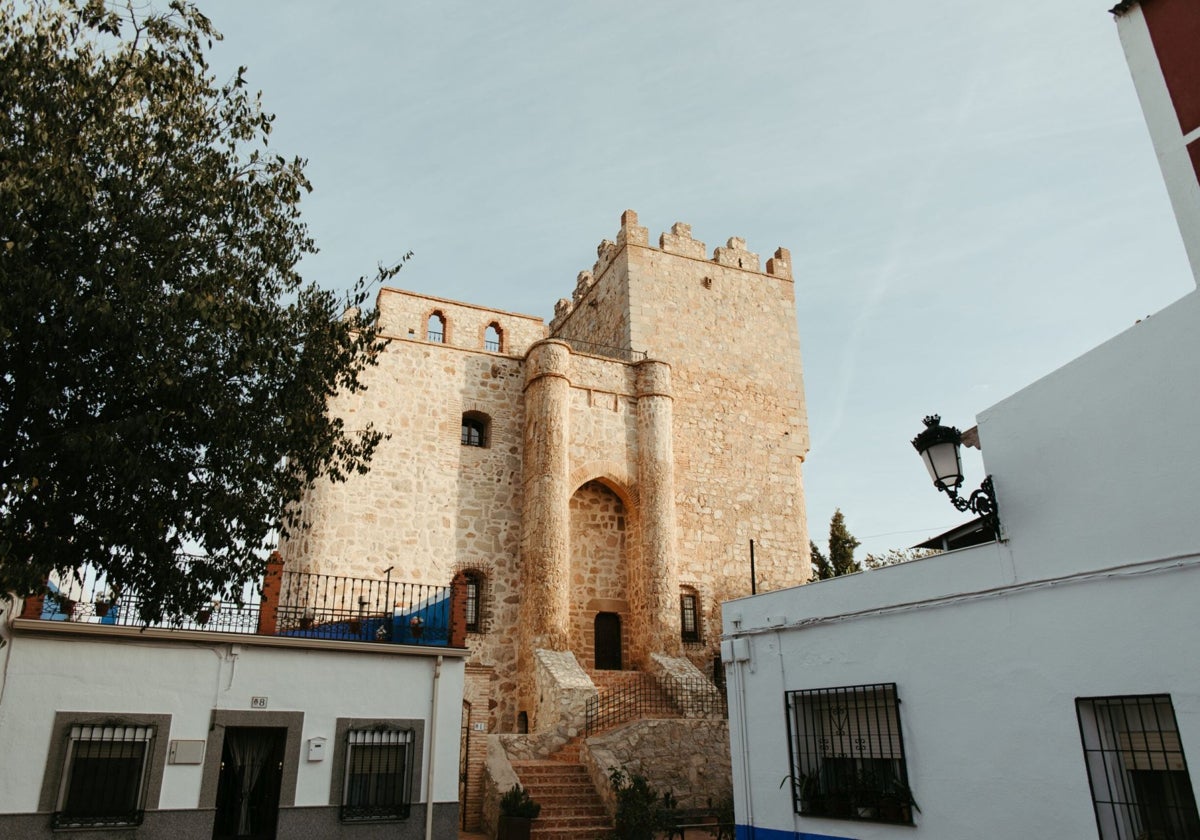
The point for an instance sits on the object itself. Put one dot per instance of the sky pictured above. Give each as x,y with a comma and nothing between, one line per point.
968,190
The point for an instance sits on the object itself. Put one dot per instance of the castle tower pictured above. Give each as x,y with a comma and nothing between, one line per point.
597,481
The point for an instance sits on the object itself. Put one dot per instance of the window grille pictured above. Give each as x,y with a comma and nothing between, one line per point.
1136,767
378,774
104,776
847,754
474,589
690,626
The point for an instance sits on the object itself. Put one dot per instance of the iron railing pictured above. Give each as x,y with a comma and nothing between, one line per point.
362,609
646,698
624,354
305,605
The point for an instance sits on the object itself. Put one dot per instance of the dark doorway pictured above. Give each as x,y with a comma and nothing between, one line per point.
248,786
608,641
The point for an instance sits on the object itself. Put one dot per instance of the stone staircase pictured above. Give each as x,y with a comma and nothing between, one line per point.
571,808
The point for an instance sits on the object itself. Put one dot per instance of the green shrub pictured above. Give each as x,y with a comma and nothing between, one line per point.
517,803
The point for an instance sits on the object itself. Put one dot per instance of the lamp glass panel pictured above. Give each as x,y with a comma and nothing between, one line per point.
944,464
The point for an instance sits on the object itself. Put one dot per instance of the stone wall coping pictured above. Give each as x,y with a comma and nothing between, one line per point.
462,303
105,632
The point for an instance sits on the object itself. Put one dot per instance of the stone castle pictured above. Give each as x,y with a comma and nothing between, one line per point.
598,480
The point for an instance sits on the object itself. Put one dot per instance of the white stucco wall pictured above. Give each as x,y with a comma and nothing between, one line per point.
1093,594
187,681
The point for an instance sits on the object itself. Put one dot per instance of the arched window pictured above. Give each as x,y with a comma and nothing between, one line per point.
475,428
474,601
493,338
435,329
689,615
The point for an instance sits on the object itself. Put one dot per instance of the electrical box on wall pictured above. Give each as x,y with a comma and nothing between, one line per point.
186,752
316,749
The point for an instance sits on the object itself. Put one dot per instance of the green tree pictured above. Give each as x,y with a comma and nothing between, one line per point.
841,551
165,371
821,570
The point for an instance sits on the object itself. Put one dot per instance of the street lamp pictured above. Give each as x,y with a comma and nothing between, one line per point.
938,447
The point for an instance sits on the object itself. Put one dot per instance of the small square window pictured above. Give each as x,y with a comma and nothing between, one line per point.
104,776
1135,763
848,754
475,426
378,771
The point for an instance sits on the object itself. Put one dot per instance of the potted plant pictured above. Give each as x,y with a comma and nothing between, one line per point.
866,795
414,626
517,813
205,613
306,620
896,802
104,602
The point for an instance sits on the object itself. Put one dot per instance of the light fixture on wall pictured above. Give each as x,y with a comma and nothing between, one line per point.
938,447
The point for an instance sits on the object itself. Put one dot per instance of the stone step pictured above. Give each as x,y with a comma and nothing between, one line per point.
571,808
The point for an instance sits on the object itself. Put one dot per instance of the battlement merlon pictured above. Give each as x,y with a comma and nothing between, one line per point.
679,241
733,254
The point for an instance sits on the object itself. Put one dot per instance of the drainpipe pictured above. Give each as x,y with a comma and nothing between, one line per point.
433,715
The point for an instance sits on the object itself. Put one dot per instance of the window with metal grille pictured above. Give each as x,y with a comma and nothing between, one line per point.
492,338
378,774
475,426
689,622
104,777
435,328
474,594
847,754
1136,767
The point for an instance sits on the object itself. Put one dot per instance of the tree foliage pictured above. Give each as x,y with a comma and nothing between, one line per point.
165,372
895,556
840,560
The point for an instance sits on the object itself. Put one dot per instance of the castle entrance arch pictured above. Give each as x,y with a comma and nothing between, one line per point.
601,545
608,641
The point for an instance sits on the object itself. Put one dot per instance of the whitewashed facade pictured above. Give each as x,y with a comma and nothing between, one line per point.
1092,595
185,691
1041,686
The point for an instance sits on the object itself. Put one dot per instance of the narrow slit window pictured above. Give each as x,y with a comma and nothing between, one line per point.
688,617
474,603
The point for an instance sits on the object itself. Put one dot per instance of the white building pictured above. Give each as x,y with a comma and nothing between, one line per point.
227,727
1042,686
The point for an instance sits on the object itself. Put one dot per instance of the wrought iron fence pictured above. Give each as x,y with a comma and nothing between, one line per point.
362,609
86,597
646,698
624,354
306,605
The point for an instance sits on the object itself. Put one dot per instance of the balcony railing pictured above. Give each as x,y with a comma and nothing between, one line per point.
295,604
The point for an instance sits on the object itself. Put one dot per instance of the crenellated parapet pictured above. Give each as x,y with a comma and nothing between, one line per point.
678,241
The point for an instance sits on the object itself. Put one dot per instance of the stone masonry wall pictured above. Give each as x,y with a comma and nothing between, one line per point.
430,506
689,758
405,315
